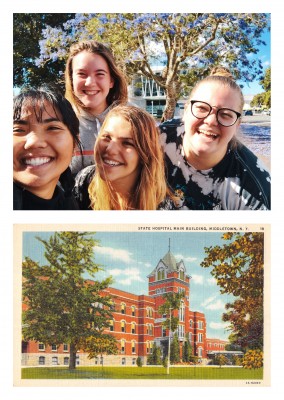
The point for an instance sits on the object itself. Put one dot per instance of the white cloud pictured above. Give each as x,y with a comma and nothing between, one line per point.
211,281
179,257
208,301
218,305
218,325
198,279
131,274
117,254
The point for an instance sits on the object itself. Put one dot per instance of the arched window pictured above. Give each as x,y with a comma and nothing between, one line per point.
133,311
122,346
111,325
133,346
161,274
123,308
181,274
123,326
133,327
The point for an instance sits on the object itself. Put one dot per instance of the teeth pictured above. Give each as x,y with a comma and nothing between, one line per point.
37,161
112,163
208,133
88,92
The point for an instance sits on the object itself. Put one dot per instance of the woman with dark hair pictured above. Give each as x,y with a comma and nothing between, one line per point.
45,134
206,164
94,85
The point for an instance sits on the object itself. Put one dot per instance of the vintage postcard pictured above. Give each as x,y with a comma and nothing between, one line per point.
155,304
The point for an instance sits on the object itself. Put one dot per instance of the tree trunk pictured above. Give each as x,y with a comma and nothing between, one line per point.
72,359
171,100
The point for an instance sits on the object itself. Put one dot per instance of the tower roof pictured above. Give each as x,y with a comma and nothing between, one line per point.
170,261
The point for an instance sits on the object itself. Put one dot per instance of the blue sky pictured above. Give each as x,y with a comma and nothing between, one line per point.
264,55
130,256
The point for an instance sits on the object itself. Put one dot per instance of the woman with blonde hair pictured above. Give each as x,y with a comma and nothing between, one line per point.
206,163
129,168
94,85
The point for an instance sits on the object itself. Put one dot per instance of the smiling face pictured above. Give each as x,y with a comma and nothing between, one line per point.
91,81
116,154
42,150
205,141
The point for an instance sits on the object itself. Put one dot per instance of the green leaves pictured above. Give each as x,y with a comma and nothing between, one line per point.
60,305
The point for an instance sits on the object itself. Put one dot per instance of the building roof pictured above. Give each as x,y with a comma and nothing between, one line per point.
170,261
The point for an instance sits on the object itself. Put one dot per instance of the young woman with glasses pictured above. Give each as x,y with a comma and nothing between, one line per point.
206,164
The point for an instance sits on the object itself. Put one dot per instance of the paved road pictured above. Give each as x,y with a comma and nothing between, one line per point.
261,119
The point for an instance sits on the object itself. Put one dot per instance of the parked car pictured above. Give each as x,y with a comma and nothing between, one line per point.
248,112
266,112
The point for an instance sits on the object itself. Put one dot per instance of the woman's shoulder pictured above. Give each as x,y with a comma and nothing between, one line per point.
169,204
82,182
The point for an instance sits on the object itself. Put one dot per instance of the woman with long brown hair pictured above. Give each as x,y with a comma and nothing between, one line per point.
129,167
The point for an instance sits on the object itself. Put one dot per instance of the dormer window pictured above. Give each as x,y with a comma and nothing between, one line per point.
161,274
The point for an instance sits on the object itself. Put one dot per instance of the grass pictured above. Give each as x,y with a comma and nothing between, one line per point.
141,373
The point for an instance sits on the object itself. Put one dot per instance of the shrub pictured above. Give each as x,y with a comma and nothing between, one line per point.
253,359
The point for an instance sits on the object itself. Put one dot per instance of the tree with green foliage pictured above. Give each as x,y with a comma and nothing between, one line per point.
238,268
139,362
61,305
187,45
156,357
221,359
169,308
175,350
263,99
28,29
186,350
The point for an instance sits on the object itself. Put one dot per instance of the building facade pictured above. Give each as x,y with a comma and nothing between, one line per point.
137,324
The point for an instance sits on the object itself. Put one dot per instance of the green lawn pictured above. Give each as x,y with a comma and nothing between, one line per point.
141,373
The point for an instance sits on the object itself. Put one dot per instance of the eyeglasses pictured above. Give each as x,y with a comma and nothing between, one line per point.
225,116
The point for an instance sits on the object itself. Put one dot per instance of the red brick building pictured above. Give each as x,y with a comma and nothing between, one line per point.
137,324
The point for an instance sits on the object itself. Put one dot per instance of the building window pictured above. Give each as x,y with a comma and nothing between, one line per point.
181,312
200,324
133,361
147,347
151,347
133,347
111,325
181,275
149,312
41,360
199,351
190,337
41,347
181,331
123,308
122,343
191,323
133,311
77,360
161,274
164,333
150,329
54,360
133,327
66,361
122,324
123,361
53,347
65,347
200,337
